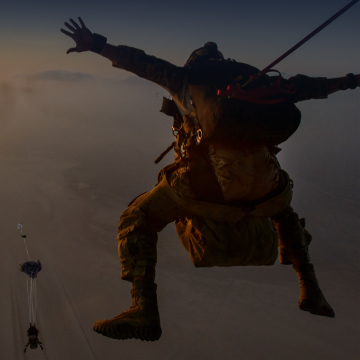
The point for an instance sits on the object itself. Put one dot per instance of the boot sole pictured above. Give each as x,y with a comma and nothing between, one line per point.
316,310
125,331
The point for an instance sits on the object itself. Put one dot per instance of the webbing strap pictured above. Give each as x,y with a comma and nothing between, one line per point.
255,97
266,95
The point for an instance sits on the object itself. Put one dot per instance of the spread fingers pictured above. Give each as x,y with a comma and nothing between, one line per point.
70,27
75,24
67,32
81,22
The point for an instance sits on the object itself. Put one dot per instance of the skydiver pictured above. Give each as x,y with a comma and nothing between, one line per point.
231,153
33,341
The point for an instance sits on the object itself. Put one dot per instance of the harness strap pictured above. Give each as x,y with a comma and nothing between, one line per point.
252,96
266,95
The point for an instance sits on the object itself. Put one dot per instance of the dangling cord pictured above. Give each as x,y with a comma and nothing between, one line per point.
20,227
26,249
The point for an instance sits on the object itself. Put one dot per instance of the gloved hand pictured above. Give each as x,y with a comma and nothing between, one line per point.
82,36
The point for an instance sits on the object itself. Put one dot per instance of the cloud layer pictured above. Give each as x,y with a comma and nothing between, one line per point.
61,75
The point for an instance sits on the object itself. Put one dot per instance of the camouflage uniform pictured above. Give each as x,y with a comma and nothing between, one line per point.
214,235
234,213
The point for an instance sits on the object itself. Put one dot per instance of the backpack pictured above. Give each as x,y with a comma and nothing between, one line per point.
265,113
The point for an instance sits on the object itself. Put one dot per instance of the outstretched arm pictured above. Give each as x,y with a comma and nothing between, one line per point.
84,40
337,84
149,67
305,88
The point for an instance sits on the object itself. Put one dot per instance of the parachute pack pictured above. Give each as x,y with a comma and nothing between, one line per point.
264,112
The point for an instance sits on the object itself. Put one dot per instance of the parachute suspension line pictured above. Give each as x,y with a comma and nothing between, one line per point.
33,307
28,296
32,299
35,300
304,40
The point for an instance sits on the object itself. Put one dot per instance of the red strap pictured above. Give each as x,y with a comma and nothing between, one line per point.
254,95
259,95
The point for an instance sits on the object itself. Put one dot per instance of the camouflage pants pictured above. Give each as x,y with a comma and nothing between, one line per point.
147,215
214,235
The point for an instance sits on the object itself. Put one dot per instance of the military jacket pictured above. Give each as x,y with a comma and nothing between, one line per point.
237,143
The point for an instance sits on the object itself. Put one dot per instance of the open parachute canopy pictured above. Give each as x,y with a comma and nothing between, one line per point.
30,268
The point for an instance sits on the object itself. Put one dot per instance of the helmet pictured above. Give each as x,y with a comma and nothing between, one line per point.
208,52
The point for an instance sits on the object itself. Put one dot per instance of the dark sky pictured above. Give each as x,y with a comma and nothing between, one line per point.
256,32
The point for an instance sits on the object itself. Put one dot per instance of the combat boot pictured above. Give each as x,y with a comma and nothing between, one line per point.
294,239
311,297
141,321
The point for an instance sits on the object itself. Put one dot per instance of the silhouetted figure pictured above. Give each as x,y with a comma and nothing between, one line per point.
33,341
226,192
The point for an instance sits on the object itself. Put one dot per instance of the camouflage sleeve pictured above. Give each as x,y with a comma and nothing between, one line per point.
307,88
149,67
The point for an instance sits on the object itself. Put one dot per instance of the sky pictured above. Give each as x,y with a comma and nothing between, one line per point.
36,74
77,143
254,32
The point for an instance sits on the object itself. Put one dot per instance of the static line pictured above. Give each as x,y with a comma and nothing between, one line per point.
304,40
26,248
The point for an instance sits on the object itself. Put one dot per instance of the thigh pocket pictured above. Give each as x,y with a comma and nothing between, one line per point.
250,241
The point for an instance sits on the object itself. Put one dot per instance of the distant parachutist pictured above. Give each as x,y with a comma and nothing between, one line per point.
31,268
33,341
